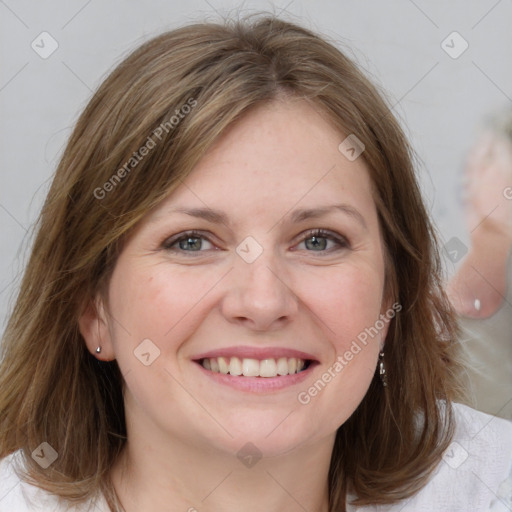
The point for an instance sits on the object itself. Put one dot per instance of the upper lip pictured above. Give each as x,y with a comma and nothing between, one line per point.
248,352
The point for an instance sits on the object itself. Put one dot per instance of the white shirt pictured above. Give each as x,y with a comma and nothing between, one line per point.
475,475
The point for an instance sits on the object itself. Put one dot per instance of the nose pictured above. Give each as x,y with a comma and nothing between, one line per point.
259,296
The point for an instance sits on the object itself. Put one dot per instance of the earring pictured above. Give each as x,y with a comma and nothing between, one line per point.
382,370
98,350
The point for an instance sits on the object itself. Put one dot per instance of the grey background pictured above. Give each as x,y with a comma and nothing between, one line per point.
439,100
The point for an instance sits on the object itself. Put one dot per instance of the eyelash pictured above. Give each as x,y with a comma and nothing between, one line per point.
317,233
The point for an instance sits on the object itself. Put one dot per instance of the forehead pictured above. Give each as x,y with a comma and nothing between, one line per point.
280,156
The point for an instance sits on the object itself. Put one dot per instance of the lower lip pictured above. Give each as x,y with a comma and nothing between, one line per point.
258,384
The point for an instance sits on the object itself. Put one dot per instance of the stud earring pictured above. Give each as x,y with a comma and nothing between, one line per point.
382,370
98,350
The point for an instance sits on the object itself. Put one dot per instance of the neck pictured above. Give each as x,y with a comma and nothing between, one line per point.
158,473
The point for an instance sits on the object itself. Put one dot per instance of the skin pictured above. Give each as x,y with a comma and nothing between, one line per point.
184,429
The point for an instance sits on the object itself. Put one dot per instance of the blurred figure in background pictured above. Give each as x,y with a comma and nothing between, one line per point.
481,290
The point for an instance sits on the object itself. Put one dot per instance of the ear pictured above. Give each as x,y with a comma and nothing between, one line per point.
94,327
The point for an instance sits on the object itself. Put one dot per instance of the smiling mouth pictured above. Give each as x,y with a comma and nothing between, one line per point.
247,367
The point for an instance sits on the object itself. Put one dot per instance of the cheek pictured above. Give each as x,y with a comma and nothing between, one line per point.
163,305
349,306
157,303
347,300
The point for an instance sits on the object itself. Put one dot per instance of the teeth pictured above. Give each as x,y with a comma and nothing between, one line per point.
282,366
223,364
235,366
250,367
254,367
268,368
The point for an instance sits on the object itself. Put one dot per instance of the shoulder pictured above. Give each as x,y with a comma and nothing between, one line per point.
478,463
18,496
475,473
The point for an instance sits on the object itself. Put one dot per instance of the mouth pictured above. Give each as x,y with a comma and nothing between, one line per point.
260,370
250,367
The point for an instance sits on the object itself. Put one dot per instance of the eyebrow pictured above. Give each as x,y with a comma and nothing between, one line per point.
299,215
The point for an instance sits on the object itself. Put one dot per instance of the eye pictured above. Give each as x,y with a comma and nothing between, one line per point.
317,240
190,241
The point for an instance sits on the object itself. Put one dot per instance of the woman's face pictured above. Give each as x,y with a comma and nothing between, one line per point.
254,290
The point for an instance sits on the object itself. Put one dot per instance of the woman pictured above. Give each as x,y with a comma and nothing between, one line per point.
234,299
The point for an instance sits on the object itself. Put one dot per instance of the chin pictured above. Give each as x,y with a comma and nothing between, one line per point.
273,435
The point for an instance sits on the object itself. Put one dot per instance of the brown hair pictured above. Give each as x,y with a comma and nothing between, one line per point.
52,389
